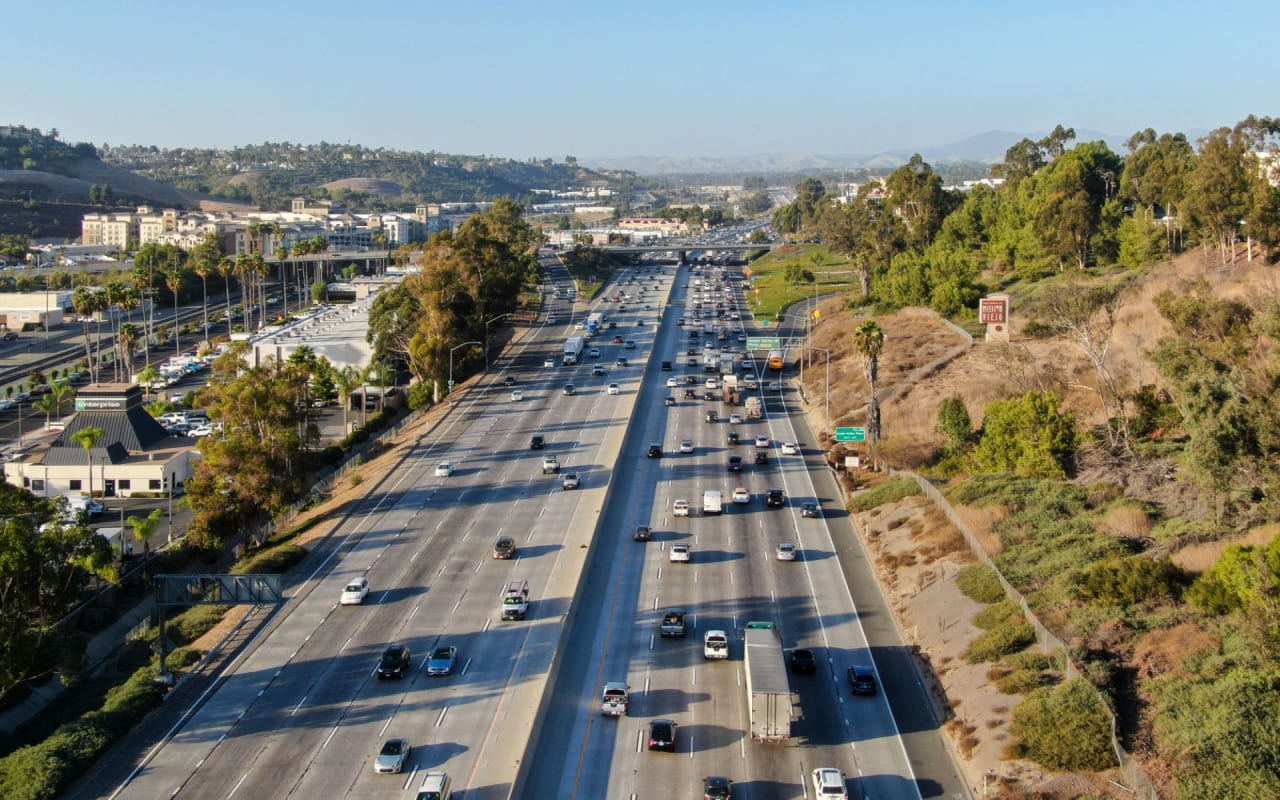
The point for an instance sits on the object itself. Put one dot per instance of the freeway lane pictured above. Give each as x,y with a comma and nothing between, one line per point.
303,713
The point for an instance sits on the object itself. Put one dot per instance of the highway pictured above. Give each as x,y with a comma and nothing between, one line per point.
301,713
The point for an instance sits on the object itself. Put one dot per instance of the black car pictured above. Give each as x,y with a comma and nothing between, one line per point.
732,437
691,380
717,787
10,336
666,366
775,498
803,661
395,661
669,401
570,389
712,416
662,735
762,457
537,443
810,510
509,381
735,464
643,533
708,395
655,451
862,679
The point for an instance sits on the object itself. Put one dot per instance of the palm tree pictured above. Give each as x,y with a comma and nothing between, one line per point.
129,336
226,267
88,439
47,405
260,269
62,393
87,303
147,377
868,341
204,269
347,379
243,270
145,527
173,279
282,252
129,300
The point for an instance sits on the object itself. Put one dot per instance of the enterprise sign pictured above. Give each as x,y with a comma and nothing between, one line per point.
100,403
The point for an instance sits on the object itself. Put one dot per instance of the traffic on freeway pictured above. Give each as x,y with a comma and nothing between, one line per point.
520,609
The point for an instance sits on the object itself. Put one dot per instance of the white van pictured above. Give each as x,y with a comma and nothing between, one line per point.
712,502
435,786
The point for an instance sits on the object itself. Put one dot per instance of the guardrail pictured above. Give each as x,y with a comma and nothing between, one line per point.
1139,782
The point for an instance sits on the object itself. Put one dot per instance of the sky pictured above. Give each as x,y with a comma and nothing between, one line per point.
697,78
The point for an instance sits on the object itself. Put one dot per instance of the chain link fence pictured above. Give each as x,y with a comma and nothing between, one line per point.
1138,783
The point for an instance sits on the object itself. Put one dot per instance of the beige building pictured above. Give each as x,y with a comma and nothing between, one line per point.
134,456
119,231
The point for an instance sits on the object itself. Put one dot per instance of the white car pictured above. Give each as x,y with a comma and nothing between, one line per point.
686,446
828,784
680,508
736,419
577,326
786,551
790,449
711,383
762,441
614,389
594,352
517,395
774,386
672,383
550,362
551,320
741,495
444,469
680,552
201,430
355,593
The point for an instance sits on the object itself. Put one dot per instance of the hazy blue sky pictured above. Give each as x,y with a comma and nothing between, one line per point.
693,78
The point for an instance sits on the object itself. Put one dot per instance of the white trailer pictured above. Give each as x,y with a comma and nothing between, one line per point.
768,692
573,350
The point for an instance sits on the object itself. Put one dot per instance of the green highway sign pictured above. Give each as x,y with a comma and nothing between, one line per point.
764,343
851,434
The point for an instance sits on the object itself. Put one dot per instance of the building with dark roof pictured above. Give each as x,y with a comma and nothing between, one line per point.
134,455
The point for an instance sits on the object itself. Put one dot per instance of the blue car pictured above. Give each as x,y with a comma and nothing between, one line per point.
442,661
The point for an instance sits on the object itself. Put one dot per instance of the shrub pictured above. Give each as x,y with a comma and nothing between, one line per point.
1065,728
891,491
1000,641
980,583
355,479
194,622
998,614
270,562
182,658
1133,580
1022,681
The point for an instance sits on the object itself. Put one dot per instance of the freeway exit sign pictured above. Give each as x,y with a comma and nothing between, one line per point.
851,434
764,343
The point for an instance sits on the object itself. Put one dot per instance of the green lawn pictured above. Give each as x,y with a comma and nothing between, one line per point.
770,291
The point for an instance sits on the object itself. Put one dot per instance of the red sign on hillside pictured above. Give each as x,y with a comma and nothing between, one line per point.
993,311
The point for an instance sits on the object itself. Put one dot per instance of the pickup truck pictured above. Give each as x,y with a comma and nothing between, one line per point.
550,465
672,624
515,600
615,700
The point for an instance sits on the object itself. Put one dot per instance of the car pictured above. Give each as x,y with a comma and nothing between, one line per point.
508,381
672,383
593,352
691,380
630,345
570,390
736,419
504,547
570,481
680,508
669,400
550,465
613,389
775,498
712,416
549,363
811,510
643,533
395,661
355,592
790,449
774,386
654,451
741,495
686,445
577,326
551,320
617,339
666,366
762,441
444,469
597,370
200,431
56,425
803,661
828,784
442,660
732,437
620,362
517,396
662,735
716,787
680,552
734,464
393,756
10,336
692,362
862,679
785,551
690,394
762,457
709,396
537,442
712,383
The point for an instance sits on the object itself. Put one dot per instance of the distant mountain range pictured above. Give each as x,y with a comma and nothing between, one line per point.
987,148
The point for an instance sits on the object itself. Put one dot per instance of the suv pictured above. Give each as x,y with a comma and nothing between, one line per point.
828,782
504,547
571,480
550,465
537,443
654,451
803,662
862,679
395,661
643,533
775,498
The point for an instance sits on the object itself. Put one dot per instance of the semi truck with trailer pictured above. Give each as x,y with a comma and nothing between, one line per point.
573,350
768,692
595,322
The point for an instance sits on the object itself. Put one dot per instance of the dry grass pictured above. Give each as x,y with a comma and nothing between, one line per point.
1163,652
1197,558
1127,522
983,521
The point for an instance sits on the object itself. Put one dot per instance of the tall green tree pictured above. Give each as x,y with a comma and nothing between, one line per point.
1028,436
868,342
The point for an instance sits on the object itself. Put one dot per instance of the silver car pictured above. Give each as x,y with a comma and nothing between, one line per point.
393,756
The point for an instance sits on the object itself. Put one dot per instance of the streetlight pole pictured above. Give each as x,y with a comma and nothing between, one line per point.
827,353
451,351
486,337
